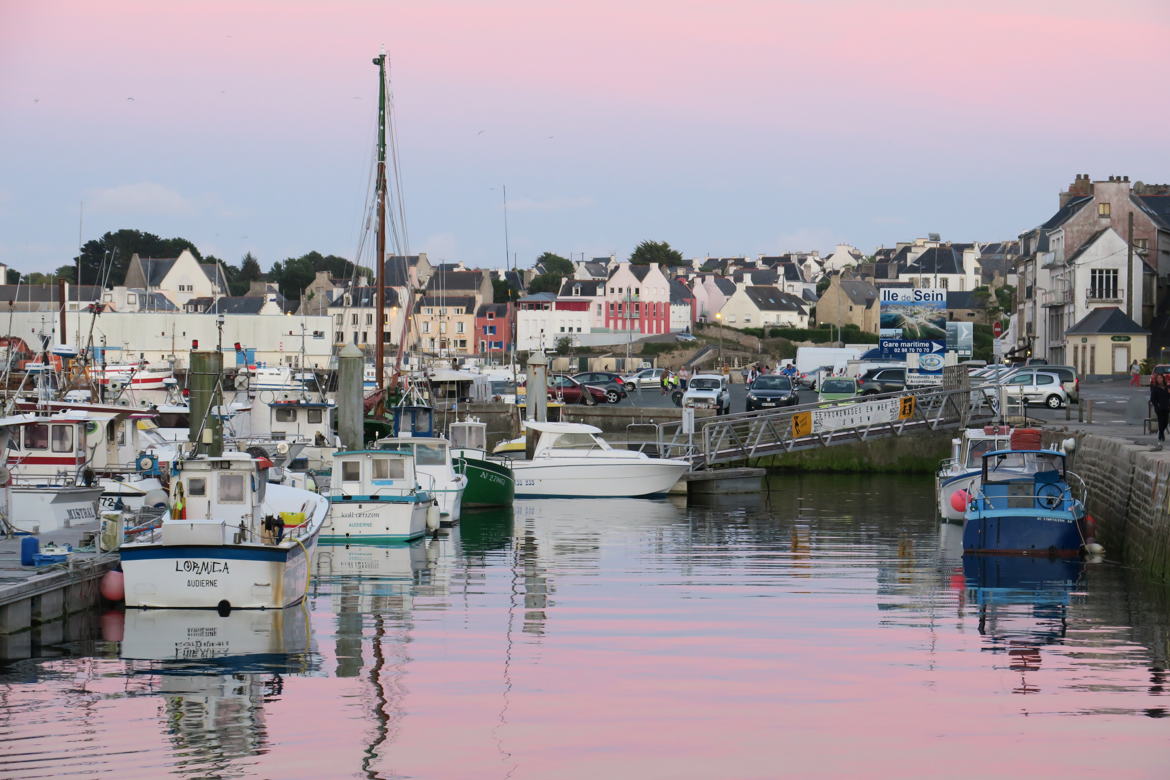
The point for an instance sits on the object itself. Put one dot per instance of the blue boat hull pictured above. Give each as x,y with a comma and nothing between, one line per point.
1023,532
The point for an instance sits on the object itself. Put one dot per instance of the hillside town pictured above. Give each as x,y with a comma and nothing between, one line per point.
1085,287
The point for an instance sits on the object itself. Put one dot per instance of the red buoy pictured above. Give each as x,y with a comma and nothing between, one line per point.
959,500
113,587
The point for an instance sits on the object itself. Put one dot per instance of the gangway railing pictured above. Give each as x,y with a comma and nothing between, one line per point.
743,436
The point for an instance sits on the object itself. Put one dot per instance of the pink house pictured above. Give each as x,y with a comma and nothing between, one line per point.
637,297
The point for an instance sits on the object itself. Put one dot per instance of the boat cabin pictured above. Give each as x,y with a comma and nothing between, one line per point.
227,489
1025,479
366,474
298,420
413,421
569,436
968,451
426,452
468,435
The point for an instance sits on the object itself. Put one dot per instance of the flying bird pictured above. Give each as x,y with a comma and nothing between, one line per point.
480,132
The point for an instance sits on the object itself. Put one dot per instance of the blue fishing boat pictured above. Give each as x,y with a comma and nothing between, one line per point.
1025,505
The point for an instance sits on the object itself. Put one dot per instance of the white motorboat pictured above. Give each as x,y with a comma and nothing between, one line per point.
374,496
231,540
572,460
963,470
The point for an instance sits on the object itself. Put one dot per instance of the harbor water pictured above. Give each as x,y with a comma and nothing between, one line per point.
829,627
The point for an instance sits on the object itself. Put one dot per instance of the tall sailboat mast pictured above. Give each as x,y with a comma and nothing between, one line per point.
380,318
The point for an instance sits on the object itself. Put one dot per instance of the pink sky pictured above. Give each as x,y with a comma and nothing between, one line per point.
736,127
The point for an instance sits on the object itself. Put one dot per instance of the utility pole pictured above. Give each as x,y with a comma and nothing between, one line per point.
1129,270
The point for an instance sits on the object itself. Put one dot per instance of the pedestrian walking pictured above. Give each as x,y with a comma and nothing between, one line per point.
665,382
1160,400
1135,372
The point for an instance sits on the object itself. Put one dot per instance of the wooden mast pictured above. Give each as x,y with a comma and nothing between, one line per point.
380,198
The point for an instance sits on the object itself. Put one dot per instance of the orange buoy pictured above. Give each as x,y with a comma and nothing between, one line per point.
959,500
113,587
113,625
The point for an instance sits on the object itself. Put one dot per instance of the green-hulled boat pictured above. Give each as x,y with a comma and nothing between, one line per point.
489,480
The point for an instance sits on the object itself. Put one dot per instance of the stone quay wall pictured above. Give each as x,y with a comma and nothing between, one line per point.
1129,497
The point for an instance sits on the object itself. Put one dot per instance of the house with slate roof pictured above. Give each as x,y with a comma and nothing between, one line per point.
755,307
1106,341
352,311
590,292
850,302
178,278
493,329
445,324
1085,210
842,257
949,266
637,297
711,293
682,306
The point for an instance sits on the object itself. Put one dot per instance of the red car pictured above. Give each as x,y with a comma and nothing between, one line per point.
568,390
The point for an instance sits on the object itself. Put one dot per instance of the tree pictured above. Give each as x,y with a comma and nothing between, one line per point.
12,277
66,272
555,264
564,345
240,279
502,292
656,252
105,260
545,283
294,274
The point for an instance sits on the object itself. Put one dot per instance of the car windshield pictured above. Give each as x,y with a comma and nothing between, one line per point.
838,386
772,383
705,384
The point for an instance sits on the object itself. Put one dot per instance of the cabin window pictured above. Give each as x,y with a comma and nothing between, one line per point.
430,454
385,468
575,441
197,486
36,437
122,433
231,488
351,471
286,415
315,415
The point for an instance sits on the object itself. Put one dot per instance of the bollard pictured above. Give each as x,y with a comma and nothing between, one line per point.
1081,411
1089,414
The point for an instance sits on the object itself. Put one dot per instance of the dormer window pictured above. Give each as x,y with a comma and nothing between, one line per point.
577,289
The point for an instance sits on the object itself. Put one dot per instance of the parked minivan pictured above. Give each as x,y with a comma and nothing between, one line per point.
1068,380
1034,385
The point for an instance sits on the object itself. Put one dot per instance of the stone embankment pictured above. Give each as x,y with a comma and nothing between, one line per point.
1129,497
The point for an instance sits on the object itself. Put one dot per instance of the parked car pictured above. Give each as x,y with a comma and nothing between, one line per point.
1161,368
1034,386
570,391
769,391
882,380
708,391
647,377
613,384
685,337
837,388
1068,379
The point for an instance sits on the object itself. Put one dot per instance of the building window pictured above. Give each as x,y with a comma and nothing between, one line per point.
426,327
491,315
369,319
1140,244
1103,284
364,339
353,319
1104,209
458,327
337,336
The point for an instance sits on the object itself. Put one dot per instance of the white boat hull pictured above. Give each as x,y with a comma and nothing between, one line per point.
583,477
197,564
951,484
376,521
446,487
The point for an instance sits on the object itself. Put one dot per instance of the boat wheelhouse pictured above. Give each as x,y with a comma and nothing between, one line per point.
45,483
413,433
1025,505
375,496
490,482
960,473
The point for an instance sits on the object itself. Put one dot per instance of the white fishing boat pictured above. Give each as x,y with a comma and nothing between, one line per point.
375,496
572,460
413,428
44,485
139,376
230,541
959,475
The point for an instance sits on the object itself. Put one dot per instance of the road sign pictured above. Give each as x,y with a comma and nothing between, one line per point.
802,424
997,329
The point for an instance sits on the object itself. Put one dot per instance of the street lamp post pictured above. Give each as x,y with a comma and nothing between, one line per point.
719,325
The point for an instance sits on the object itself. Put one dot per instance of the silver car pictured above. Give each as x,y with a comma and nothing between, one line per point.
1033,386
647,377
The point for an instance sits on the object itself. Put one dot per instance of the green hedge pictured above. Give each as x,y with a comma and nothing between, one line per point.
850,334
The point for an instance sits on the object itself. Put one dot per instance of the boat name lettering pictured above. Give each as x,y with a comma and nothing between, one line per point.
202,583
80,513
202,567
526,482
348,515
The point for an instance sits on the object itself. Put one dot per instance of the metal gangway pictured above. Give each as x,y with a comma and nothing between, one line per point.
740,437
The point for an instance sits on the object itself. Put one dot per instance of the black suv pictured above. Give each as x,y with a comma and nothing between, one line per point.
615,388
882,380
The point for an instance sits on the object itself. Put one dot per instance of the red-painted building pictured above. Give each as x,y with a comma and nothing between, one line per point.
493,328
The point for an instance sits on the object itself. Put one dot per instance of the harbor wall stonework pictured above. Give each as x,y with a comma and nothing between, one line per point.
917,453
1129,497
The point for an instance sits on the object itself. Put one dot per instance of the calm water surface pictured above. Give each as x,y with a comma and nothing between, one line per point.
826,629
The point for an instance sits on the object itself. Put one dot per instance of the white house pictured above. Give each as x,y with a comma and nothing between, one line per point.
842,257
754,307
542,320
589,291
179,278
948,266
1094,276
716,291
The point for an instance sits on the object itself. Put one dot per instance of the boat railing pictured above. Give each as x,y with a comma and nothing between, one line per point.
1062,497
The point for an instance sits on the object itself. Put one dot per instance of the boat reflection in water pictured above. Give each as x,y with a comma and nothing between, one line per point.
215,674
1023,604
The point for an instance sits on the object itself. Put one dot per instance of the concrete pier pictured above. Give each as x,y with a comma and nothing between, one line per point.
40,605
